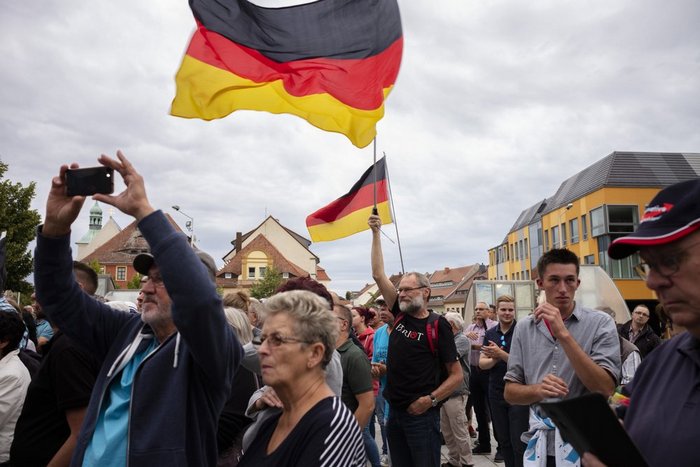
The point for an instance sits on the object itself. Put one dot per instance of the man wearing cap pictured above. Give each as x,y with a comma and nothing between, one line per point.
165,373
662,418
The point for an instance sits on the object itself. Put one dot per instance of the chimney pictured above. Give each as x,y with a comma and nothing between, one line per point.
447,270
239,241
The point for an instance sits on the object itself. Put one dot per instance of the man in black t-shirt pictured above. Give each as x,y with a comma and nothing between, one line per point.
58,396
422,365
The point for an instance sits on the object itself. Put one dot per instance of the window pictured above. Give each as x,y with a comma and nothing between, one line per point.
228,275
546,240
263,271
622,219
584,226
121,273
563,235
597,222
515,247
573,230
555,236
590,259
251,272
526,249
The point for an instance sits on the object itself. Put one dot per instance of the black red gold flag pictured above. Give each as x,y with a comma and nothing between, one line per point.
348,214
331,62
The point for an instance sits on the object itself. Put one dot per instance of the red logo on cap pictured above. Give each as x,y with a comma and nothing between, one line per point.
652,213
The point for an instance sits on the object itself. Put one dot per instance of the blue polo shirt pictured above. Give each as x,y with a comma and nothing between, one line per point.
664,410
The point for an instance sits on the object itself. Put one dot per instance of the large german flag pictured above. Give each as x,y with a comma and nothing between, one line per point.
331,62
348,214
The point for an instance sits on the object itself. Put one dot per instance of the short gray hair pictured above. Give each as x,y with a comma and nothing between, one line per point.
455,318
313,320
422,279
238,320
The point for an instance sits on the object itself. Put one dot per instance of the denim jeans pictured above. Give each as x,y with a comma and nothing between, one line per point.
370,447
381,419
414,440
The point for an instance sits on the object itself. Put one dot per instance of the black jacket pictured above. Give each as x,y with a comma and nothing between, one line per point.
645,342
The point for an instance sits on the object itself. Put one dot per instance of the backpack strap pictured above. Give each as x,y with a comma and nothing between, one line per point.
431,330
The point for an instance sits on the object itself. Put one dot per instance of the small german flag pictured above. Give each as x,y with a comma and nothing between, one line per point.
348,214
331,62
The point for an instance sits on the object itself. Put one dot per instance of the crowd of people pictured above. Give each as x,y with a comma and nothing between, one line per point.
190,378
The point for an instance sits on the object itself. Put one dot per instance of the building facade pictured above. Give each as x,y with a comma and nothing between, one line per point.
587,212
268,245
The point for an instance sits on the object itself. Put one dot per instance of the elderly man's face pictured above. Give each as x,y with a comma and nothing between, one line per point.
156,306
674,275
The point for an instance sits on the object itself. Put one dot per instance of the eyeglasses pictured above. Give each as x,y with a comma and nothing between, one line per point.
667,266
640,313
276,340
157,281
408,289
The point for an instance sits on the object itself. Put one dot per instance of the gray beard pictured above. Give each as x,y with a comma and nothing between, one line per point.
411,308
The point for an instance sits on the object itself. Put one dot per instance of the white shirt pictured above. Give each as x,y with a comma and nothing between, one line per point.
14,382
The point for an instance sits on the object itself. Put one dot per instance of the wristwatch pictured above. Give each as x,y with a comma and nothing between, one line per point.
433,400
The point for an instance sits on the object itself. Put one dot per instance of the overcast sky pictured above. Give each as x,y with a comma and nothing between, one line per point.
496,103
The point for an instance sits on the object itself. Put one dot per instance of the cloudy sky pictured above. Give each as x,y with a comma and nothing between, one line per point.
497,102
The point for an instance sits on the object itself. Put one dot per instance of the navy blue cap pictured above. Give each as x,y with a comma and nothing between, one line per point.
673,214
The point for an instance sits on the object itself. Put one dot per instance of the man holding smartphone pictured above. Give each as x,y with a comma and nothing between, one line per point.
159,393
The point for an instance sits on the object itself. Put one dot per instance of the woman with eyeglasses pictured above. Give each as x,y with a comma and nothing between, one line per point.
314,428
509,421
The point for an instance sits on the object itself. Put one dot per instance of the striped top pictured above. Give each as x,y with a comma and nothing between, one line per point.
327,435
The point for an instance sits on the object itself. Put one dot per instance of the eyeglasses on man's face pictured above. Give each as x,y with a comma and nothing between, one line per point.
409,289
276,340
666,265
640,313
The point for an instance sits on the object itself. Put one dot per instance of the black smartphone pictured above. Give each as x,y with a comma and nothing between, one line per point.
88,181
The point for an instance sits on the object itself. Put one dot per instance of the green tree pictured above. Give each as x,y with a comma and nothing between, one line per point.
20,222
95,266
135,282
267,285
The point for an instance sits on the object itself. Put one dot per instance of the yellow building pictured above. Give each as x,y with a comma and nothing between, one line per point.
588,211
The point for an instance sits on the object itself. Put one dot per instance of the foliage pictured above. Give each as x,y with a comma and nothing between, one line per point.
95,266
135,282
20,222
267,285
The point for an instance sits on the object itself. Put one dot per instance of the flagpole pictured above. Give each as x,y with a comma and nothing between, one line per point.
393,213
374,168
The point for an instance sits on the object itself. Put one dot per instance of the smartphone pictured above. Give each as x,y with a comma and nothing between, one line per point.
88,181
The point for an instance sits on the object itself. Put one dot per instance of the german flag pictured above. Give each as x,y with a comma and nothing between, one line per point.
348,214
330,62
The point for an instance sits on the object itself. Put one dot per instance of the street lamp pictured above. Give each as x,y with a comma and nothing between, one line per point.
189,224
